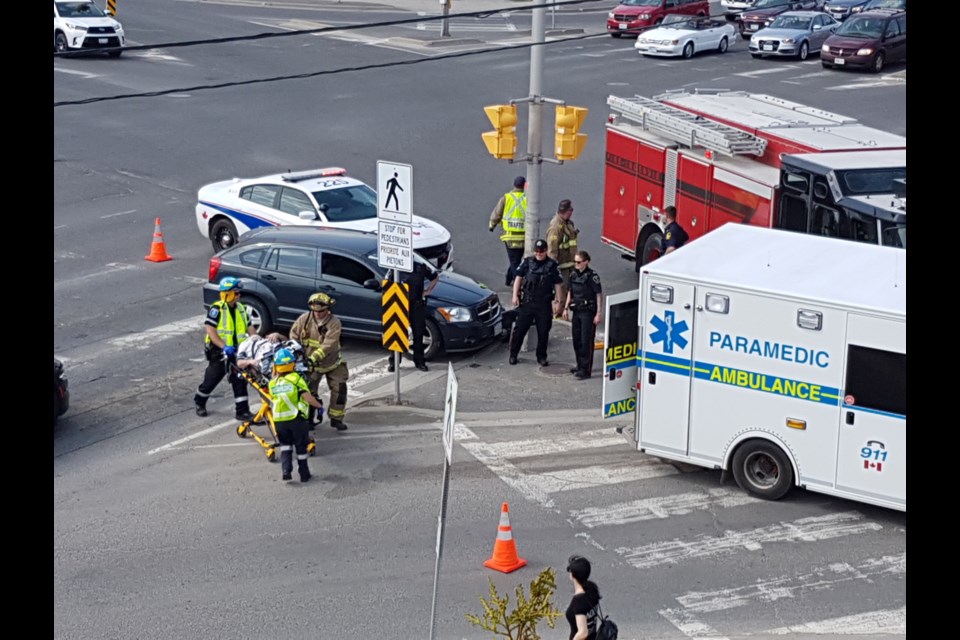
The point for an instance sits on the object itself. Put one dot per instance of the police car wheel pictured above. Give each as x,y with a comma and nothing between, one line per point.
223,235
761,468
259,316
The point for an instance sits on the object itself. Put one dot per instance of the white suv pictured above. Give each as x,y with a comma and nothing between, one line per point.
82,25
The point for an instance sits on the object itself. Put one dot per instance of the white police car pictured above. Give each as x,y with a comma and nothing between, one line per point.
322,197
80,25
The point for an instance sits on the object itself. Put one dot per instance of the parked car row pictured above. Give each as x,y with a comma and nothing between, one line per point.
866,35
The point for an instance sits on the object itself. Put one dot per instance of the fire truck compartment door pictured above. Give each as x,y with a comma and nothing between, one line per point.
620,355
872,448
665,365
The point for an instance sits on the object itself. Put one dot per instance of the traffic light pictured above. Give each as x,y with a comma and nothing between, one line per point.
502,143
568,142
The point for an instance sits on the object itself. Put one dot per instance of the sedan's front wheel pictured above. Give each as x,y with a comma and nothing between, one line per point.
432,341
223,235
688,50
804,51
724,45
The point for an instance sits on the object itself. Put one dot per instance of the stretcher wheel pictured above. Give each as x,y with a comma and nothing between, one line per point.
272,454
312,449
242,430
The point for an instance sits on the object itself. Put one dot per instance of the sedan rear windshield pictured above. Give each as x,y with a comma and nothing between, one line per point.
358,202
866,28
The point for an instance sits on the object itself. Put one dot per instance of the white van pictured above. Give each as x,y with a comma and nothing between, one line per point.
80,25
776,355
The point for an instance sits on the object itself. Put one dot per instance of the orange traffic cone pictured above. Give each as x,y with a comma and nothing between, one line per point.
504,556
158,250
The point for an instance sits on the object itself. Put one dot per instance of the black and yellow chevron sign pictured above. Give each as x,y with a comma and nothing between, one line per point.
112,7
396,316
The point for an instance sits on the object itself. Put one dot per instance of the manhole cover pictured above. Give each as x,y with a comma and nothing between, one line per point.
557,369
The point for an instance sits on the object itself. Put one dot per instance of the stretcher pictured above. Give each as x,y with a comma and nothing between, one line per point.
259,379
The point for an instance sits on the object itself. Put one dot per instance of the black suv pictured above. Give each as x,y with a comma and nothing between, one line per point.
281,266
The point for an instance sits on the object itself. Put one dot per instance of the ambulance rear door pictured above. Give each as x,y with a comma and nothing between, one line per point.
620,355
666,345
872,448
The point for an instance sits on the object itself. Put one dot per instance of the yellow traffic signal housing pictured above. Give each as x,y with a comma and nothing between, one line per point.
569,143
502,143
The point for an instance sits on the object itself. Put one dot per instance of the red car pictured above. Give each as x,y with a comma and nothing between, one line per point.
636,16
867,40
762,13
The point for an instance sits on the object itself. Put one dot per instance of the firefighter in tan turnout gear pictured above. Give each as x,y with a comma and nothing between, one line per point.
318,331
561,246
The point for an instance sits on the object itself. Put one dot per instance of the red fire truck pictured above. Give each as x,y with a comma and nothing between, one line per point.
722,156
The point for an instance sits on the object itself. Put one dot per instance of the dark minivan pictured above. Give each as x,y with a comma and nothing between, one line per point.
868,40
280,268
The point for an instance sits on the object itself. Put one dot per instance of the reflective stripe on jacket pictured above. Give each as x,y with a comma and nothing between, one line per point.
225,328
514,216
287,391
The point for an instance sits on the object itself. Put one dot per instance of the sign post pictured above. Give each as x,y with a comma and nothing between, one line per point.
449,418
395,236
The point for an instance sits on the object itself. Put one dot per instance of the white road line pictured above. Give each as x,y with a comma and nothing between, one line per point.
886,622
114,215
597,476
820,579
811,529
663,507
194,436
531,448
82,74
862,85
149,338
762,72
512,476
113,267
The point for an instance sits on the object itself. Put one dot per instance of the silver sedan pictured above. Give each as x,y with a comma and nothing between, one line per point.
793,33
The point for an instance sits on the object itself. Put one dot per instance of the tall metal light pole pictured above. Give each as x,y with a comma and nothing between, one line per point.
535,130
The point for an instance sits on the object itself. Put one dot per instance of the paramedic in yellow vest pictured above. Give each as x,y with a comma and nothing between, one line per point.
561,246
227,325
511,213
291,399
318,331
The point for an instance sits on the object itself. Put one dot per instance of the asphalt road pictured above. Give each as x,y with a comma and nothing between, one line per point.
168,526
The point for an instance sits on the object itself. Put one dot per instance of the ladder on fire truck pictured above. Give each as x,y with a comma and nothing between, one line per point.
687,128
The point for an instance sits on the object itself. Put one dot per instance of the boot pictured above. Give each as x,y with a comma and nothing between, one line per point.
338,424
243,412
201,405
304,470
286,464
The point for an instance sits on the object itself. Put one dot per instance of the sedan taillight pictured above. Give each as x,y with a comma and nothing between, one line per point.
213,268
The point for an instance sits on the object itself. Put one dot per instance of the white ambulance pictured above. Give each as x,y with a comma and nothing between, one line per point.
776,355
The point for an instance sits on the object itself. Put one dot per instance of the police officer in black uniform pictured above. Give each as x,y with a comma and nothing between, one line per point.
538,281
584,301
674,236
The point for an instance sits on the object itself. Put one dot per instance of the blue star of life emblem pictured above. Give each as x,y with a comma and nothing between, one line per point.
669,332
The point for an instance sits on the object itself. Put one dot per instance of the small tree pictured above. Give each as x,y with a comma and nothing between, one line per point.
521,623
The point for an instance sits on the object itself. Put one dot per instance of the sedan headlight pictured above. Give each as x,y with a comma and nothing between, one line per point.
644,16
754,38
787,41
825,48
864,52
455,314
610,15
75,27
674,42
856,9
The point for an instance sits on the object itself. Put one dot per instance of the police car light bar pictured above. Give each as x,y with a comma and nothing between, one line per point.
299,176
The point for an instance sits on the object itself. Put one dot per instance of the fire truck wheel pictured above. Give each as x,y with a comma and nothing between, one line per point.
652,249
761,468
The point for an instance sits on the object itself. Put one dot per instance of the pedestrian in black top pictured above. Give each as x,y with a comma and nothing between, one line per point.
674,236
583,303
582,611
418,292
537,283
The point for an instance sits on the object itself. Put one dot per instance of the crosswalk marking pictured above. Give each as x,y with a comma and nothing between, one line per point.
820,579
811,529
507,472
515,449
886,622
598,476
661,507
